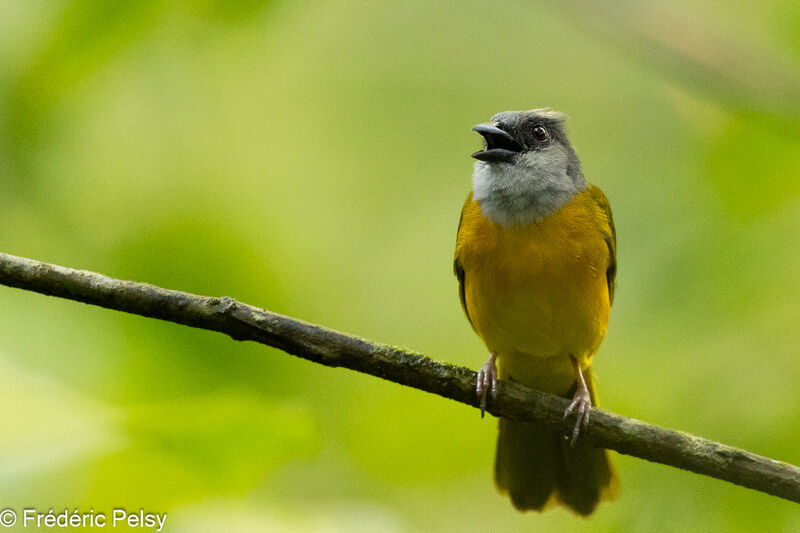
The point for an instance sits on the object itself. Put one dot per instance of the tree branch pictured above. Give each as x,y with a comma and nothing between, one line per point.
332,348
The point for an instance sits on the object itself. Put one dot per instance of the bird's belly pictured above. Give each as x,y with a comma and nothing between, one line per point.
536,301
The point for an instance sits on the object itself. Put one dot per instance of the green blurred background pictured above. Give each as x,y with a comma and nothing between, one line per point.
312,158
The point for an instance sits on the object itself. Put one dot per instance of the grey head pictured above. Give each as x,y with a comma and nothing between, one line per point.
527,169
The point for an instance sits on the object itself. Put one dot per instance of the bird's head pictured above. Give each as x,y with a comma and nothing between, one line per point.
527,168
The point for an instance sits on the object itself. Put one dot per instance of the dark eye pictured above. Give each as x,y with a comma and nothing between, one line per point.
540,133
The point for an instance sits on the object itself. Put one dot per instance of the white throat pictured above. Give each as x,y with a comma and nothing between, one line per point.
528,191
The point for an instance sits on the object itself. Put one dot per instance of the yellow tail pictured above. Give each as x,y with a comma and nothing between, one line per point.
537,468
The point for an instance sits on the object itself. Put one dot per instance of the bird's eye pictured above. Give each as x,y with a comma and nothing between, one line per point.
540,133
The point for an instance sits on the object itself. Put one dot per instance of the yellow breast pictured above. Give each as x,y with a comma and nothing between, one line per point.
538,293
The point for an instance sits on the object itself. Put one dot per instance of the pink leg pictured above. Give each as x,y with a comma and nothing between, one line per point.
582,401
487,380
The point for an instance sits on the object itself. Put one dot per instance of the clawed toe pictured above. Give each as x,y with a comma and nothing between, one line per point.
582,405
487,382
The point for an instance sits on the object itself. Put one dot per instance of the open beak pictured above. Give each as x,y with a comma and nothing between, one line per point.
500,145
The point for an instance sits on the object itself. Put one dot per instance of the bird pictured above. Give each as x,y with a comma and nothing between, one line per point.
535,259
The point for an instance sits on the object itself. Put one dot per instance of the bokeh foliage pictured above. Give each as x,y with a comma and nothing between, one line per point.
312,158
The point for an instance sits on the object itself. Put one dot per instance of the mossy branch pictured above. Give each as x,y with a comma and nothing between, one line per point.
332,348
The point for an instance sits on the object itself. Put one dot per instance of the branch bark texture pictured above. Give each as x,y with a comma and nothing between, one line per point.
332,348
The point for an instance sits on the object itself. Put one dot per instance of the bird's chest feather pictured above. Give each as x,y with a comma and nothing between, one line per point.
538,289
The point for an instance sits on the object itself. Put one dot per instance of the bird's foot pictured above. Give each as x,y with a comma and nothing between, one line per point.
581,404
487,382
